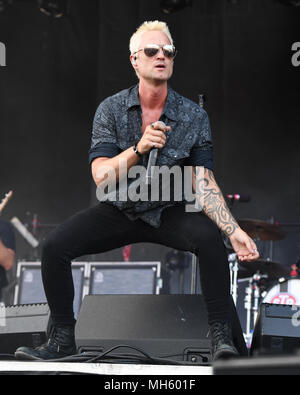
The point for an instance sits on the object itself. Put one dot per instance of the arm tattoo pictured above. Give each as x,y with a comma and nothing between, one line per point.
213,203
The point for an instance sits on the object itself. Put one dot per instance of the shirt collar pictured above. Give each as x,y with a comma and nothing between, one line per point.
133,97
170,109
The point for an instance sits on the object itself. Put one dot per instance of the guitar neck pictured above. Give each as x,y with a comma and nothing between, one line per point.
5,201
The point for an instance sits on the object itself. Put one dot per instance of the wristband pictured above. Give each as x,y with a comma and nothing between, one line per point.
136,150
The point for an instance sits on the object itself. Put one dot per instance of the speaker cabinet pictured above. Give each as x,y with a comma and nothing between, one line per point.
23,325
30,287
277,330
124,278
165,326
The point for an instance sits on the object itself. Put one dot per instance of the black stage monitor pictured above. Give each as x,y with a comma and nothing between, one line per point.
23,325
277,330
172,327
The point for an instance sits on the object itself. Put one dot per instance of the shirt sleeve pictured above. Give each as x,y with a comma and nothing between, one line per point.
104,142
7,235
202,151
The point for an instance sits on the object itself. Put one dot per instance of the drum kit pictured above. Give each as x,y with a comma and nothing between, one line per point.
267,281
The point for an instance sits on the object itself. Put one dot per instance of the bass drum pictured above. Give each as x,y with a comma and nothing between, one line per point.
285,292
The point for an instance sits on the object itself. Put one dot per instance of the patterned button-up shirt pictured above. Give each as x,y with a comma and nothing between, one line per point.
118,126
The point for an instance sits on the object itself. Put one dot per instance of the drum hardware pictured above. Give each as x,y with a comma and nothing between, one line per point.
252,302
284,291
262,230
259,274
265,292
248,308
261,289
234,268
256,295
273,270
268,281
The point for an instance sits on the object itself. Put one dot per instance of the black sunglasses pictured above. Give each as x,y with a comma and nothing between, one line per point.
152,49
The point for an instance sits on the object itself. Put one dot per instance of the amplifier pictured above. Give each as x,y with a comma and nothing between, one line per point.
124,278
277,330
29,288
23,325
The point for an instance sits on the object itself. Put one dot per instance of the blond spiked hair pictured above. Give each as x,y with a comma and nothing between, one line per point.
146,27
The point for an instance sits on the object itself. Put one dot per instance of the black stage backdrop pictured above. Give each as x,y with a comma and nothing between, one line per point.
237,53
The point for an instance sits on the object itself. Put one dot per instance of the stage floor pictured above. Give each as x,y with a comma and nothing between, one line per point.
261,365
104,368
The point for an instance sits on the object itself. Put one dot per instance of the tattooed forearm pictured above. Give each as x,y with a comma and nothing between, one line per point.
213,202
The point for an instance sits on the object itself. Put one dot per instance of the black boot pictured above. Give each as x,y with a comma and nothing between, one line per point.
61,344
222,343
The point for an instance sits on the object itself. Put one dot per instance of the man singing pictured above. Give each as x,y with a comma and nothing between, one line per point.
127,126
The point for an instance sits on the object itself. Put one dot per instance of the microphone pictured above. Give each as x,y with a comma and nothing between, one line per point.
242,198
152,159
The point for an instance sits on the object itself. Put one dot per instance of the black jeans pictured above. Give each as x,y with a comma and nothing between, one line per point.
103,228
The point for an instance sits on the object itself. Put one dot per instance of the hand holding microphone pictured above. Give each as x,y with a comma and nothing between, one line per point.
154,137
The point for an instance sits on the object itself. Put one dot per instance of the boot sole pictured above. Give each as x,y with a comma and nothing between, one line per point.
24,356
225,354
20,355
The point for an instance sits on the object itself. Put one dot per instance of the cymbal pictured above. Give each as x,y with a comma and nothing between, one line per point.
273,270
262,230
